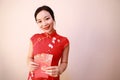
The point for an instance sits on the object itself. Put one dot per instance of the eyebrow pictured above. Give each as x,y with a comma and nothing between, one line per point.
44,17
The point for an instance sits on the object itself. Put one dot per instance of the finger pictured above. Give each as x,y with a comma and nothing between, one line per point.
51,67
33,63
33,68
54,75
50,73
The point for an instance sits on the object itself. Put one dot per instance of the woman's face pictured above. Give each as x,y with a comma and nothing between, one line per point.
45,21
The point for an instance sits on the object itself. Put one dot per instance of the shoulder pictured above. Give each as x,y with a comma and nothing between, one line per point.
63,39
35,36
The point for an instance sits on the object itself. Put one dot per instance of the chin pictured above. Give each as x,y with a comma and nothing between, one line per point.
47,31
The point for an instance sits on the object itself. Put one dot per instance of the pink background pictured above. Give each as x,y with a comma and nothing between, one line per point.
92,26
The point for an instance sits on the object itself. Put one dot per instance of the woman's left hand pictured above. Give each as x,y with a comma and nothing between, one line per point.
52,71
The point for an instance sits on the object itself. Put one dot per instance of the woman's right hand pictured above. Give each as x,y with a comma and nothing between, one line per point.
33,66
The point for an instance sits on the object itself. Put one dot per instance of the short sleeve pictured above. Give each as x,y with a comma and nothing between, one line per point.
66,42
34,38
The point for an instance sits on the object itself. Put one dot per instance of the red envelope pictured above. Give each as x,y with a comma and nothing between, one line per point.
44,60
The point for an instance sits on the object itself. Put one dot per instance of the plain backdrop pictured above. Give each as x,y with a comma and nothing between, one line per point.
92,26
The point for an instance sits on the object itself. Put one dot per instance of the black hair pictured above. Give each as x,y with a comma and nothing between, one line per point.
46,8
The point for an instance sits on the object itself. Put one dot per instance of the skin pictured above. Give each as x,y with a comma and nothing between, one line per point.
46,23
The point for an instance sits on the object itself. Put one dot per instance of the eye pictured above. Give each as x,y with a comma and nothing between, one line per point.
47,18
39,21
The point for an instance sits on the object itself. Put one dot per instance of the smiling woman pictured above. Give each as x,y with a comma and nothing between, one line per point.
47,48
92,27
45,21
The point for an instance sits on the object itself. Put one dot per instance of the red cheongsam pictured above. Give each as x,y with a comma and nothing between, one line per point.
48,43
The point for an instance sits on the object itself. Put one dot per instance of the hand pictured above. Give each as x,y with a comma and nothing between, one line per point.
33,66
52,71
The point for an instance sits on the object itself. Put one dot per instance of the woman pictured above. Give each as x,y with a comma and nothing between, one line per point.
48,51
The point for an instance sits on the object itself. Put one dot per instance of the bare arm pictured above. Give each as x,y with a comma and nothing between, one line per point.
54,71
31,64
64,60
29,57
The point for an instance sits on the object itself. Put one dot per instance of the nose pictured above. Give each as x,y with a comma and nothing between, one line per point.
44,23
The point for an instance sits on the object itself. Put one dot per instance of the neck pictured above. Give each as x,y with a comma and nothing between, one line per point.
51,31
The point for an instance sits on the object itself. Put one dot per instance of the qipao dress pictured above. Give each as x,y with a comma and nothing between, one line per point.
52,44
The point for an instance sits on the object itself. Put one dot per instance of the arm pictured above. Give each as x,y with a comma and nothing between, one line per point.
29,57
54,71
64,60
31,64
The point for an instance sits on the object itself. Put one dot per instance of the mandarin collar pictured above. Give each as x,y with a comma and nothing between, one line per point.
51,34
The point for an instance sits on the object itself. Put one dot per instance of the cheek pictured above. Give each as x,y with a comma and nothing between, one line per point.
39,25
51,23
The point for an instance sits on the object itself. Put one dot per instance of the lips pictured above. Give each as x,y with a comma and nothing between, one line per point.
46,28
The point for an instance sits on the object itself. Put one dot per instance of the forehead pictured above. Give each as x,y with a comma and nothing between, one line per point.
42,14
